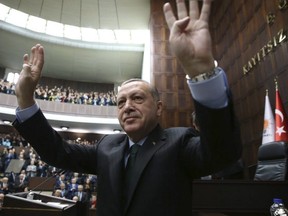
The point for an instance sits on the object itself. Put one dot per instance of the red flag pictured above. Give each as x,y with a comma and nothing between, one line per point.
281,124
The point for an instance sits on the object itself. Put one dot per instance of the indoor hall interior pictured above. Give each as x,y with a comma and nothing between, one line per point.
91,47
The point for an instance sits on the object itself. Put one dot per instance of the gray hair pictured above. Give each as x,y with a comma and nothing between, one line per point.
153,90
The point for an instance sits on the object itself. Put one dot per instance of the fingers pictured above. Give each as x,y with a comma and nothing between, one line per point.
181,9
205,11
180,26
32,55
36,58
193,9
26,61
182,14
169,16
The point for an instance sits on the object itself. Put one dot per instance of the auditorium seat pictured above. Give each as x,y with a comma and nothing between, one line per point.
272,162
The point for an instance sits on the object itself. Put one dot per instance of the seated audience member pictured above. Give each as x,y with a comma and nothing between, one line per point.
93,201
72,188
5,188
60,180
42,169
21,157
11,180
92,182
31,169
79,178
87,187
2,196
64,191
75,198
57,193
6,142
21,182
82,196
8,157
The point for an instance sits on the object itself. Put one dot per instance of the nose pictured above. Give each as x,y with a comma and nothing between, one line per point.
128,107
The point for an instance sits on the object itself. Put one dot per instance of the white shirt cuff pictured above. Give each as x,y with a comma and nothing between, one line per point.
24,114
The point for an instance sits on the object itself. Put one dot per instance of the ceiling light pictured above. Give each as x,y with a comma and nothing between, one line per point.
64,128
6,122
4,10
17,18
54,28
36,24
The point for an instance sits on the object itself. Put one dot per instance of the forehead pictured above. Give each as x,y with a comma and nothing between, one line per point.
133,87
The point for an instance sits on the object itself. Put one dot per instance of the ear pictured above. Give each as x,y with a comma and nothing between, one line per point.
159,108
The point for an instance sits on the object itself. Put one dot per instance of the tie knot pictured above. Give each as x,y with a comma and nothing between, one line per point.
134,149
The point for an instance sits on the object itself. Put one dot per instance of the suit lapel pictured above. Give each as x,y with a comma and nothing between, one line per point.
116,168
153,142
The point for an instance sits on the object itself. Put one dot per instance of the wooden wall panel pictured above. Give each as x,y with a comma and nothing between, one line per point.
168,76
235,45
239,31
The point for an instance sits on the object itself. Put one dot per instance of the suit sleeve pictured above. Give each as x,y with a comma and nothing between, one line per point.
53,149
219,144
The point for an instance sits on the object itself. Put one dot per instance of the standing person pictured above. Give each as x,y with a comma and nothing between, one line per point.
167,159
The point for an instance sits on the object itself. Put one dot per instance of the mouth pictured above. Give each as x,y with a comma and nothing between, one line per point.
129,118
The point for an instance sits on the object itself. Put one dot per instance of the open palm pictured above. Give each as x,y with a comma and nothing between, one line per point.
189,36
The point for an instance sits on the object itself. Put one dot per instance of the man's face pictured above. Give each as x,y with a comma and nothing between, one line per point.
138,111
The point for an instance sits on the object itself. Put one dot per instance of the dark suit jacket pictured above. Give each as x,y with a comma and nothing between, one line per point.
84,198
18,186
166,163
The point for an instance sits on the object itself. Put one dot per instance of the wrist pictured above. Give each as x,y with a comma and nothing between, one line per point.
25,103
197,67
204,76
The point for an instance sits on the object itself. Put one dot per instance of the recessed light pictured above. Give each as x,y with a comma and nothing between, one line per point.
64,128
6,122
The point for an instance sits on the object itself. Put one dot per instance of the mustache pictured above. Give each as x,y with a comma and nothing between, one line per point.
130,115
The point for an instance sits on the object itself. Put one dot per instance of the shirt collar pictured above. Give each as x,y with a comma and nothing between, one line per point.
140,142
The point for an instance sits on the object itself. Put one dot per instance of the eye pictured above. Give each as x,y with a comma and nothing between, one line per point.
120,103
138,99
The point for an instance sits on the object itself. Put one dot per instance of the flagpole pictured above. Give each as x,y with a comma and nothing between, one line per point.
281,120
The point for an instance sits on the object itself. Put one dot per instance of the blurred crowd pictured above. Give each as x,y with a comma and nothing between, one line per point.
66,95
14,139
70,185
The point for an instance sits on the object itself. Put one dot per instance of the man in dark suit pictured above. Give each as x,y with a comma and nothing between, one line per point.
82,195
21,182
167,159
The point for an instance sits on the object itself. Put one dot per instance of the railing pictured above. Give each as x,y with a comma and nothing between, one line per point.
9,101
